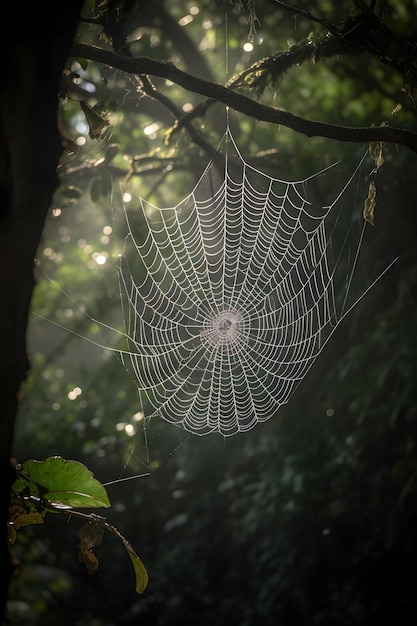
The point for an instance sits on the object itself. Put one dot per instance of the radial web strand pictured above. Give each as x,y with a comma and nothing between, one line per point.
231,295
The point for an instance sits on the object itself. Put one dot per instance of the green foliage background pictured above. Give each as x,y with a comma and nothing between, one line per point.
308,519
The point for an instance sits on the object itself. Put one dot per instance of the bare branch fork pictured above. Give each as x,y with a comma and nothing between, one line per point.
245,105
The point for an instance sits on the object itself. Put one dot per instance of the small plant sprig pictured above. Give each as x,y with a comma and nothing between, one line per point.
57,485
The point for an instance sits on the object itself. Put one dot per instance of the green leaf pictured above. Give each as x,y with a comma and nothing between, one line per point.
141,573
83,62
97,124
64,483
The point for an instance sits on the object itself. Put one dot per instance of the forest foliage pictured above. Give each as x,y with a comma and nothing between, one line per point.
309,518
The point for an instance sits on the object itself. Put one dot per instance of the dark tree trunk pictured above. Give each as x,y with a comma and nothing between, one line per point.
33,57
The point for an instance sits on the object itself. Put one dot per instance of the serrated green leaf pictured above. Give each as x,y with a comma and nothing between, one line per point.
65,483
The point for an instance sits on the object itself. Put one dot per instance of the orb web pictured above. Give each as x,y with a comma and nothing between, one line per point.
231,295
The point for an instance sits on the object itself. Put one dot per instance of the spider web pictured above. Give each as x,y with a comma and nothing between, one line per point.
232,294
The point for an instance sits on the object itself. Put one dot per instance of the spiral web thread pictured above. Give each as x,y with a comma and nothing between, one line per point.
232,293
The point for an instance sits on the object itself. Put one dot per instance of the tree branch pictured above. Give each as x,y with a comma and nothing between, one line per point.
245,105
150,91
363,32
